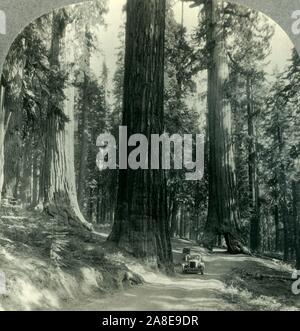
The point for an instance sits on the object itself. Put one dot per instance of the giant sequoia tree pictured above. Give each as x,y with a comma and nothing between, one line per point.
60,199
141,226
223,212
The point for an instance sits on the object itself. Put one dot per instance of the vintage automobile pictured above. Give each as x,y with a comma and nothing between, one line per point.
193,265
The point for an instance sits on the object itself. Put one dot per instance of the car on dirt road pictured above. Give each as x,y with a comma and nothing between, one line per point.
193,265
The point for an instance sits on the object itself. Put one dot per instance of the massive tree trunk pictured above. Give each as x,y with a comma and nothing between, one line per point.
255,238
60,199
296,212
141,225
223,212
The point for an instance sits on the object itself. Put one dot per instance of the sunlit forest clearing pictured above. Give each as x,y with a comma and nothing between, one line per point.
73,236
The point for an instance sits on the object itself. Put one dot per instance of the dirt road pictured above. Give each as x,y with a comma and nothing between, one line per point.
193,292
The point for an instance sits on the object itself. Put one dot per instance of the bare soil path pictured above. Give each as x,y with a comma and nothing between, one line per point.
221,288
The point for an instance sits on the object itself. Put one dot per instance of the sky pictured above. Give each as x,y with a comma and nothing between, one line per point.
109,41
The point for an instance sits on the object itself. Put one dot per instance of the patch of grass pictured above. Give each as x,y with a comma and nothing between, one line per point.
262,287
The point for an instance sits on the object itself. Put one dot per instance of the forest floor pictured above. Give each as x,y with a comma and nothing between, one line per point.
49,268
230,283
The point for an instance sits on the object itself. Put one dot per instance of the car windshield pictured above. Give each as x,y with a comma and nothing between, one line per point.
194,257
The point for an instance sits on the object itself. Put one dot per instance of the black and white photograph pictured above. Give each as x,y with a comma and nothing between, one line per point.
150,158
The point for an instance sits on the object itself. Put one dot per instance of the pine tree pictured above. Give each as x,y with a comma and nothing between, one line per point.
60,199
223,212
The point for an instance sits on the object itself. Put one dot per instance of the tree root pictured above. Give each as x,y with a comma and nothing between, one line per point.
69,215
234,245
